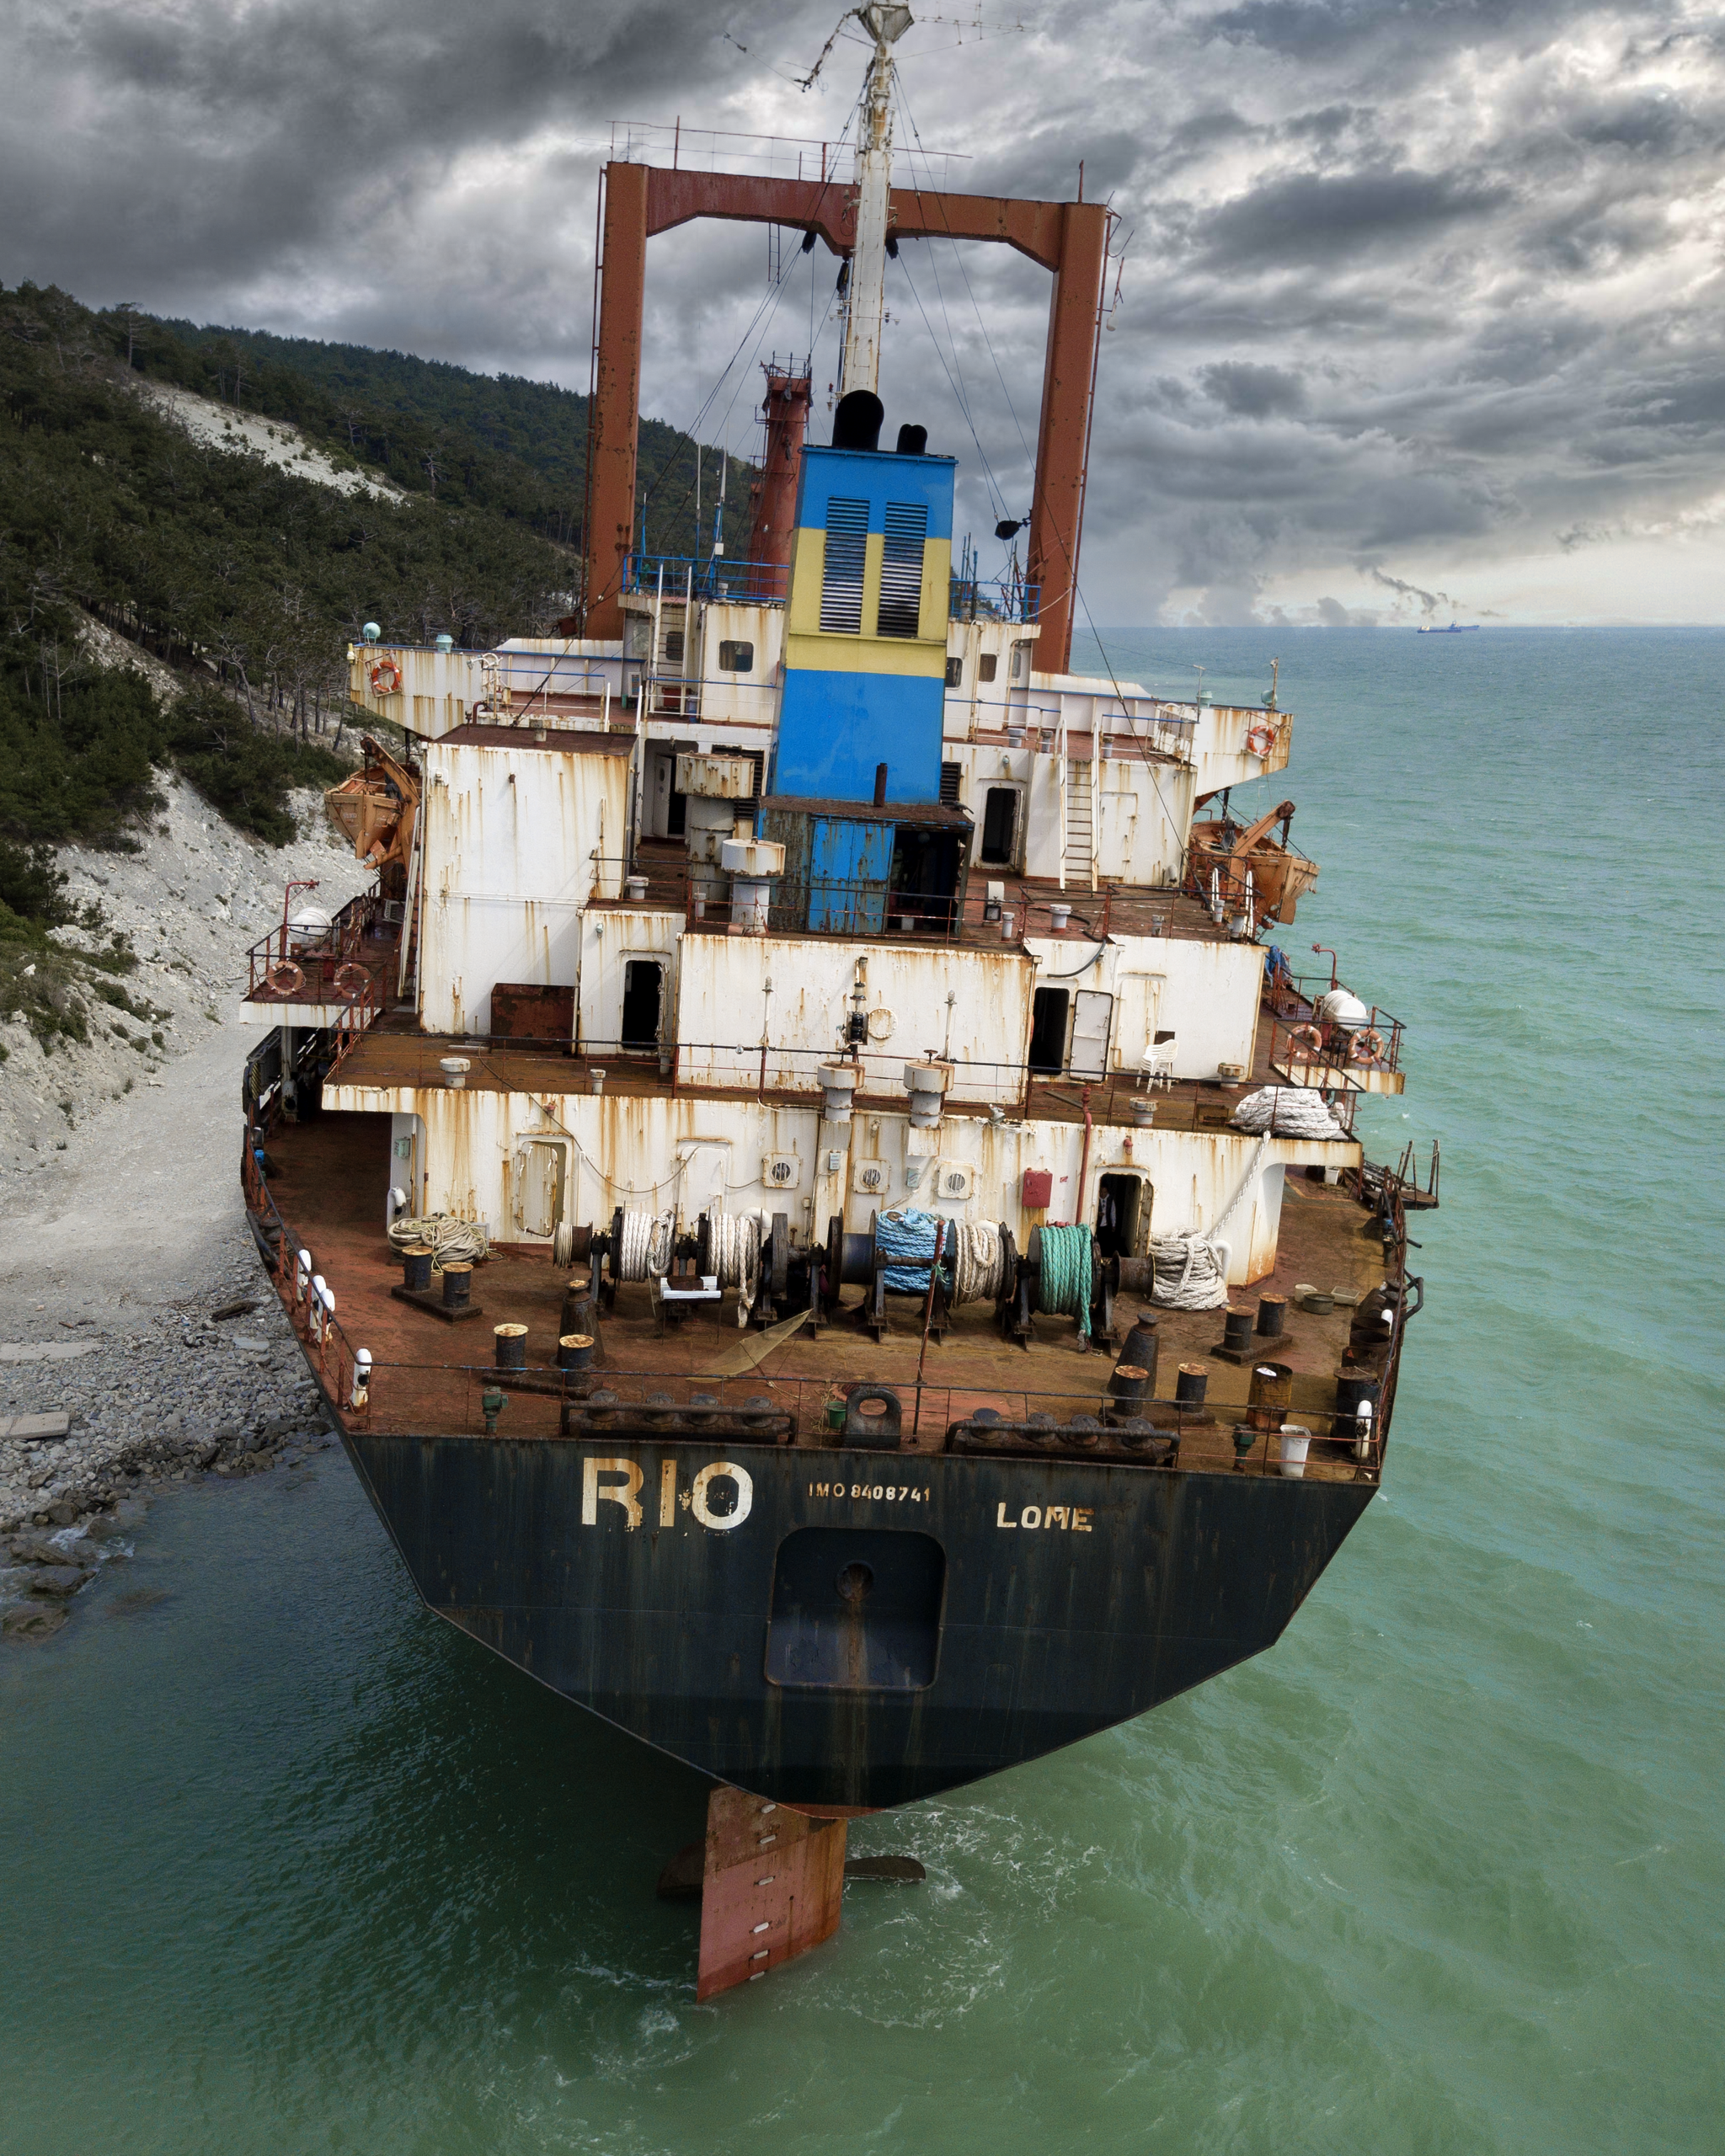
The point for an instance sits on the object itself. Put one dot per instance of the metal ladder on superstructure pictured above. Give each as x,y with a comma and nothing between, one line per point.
1079,852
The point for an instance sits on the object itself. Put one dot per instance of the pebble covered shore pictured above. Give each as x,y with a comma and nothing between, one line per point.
125,1253
197,1395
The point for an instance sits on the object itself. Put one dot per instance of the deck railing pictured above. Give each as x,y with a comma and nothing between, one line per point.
338,1361
713,577
1029,907
320,955
992,599
1301,1036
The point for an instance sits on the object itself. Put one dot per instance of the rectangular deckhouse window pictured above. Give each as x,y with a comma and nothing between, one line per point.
902,569
841,577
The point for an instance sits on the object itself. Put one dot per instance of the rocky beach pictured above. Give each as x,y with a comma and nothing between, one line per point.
141,1345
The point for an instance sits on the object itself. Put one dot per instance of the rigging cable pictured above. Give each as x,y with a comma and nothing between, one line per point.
958,257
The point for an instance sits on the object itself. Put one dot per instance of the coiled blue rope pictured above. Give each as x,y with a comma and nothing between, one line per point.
1064,1285
909,1241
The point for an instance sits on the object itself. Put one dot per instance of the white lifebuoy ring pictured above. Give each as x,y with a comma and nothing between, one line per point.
285,978
1309,1038
386,678
1367,1046
352,981
1262,739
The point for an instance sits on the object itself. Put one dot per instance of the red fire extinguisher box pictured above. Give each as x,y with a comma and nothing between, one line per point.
1038,1187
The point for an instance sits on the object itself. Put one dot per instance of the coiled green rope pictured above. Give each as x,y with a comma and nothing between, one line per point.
1065,1282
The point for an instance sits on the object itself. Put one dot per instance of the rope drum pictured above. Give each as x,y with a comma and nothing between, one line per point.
978,1264
1066,1274
908,1243
733,1242
645,1247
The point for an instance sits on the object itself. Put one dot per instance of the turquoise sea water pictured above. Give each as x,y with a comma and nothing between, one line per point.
291,1867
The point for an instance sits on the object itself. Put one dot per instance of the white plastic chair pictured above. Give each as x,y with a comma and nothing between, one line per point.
1156,1067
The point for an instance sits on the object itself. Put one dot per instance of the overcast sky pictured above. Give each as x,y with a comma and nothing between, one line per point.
1420,303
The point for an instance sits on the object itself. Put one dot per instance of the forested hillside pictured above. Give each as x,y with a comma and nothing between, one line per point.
247,579
251,577
516,446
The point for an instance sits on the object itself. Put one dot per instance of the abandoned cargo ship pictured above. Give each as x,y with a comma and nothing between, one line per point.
834,1242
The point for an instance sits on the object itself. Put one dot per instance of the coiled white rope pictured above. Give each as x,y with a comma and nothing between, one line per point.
733,1242
1191,1269
980,1258
1287,1112
450,1241
646,1245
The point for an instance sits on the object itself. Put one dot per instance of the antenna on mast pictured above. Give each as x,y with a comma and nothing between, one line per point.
865,301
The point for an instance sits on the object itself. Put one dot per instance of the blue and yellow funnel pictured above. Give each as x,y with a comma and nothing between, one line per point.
866,625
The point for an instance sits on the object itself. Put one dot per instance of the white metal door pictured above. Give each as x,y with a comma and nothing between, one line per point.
541,1166
1140,1017
705,1164
1091,1015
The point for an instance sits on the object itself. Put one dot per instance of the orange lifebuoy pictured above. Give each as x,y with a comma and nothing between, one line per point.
352,981
1367,1046
1262,739
285,978
386,678
1306,1037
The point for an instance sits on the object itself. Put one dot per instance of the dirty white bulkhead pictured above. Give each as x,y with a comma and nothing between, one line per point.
523,844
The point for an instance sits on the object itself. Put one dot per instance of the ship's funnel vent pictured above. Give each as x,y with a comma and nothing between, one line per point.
913,441
857,423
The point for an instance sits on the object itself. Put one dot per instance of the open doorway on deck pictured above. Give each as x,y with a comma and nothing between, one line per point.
999,844
1123,1215
644,1002
1048,1029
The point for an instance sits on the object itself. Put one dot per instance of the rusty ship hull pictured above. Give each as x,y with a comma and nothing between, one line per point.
1049,1604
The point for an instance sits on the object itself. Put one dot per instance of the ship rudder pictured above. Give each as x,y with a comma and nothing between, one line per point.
773,1886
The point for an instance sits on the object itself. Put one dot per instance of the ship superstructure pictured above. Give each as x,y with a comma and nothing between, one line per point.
797,1178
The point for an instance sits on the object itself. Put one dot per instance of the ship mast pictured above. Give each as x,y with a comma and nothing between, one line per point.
860,367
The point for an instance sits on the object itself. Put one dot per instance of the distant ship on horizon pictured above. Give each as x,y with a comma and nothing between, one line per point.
1446,629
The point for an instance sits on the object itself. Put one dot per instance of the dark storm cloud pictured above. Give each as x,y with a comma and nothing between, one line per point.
1252,392
1314,216
1408,289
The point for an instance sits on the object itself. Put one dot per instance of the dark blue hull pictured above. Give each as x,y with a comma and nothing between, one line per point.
853,1628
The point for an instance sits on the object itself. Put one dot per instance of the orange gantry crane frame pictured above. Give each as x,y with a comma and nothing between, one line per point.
1070,238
